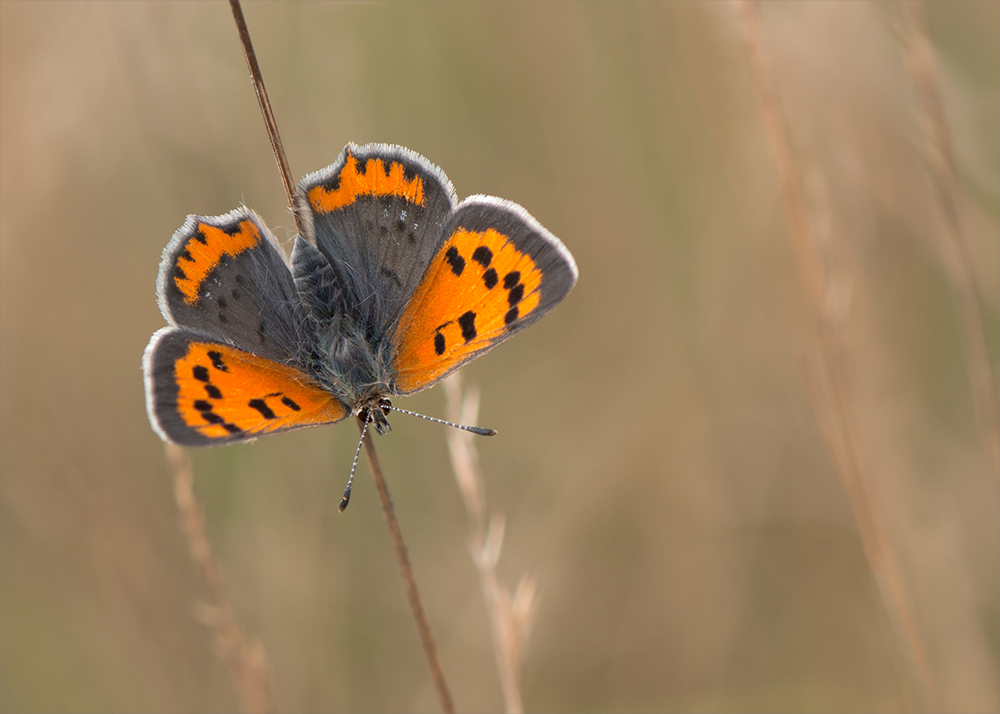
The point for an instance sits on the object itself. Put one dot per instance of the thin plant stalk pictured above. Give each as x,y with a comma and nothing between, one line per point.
954,242
388,510
412,593
511,616
835,407
245,657
265,109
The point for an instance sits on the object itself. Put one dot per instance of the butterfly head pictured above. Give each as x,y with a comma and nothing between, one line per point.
374,412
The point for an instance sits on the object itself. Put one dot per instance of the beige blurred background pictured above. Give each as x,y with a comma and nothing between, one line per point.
660,462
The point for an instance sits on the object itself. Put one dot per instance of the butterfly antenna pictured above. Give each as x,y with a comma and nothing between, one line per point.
474,429
350,479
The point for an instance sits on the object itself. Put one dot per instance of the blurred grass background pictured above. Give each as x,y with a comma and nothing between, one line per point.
659,459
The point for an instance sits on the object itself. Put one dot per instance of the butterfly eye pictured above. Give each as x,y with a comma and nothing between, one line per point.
385,405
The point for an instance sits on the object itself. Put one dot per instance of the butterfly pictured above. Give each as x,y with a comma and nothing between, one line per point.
395,285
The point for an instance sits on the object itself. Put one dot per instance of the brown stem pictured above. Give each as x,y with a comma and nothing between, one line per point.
426,637
412,594
265,109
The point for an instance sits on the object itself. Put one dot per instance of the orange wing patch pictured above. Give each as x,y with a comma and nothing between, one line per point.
203,251
375,181
476,289
224,393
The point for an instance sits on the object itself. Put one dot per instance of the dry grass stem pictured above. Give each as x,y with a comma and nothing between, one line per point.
244,657
266,112
954,244
412,593
388,510
833,401
511,616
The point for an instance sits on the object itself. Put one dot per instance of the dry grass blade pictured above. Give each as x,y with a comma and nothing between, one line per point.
388,510
954,245
267,113
834,405
409,580
244,657
511,617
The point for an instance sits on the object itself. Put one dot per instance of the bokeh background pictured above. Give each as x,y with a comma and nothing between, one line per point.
661,462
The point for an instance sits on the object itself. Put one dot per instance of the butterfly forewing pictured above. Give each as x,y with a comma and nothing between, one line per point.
496,272
377,215
226,276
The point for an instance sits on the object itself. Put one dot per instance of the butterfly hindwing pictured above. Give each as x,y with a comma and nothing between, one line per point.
376,215
201,392
227,276
497,271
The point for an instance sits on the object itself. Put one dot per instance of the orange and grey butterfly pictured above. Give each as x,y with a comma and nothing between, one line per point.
395,285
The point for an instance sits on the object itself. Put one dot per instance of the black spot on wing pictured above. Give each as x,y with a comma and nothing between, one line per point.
332,183
217,362
456,261
394,277
468,324
483,256
233,228
261,406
